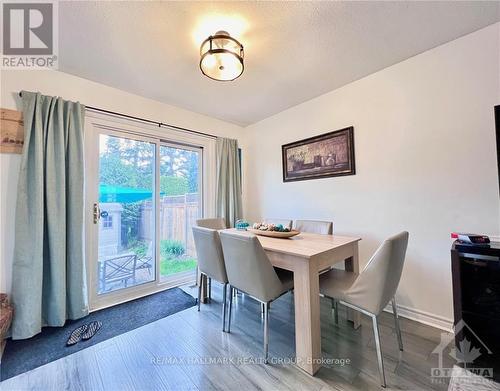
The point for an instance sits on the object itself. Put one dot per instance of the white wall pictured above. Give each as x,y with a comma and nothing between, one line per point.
425,160
87,92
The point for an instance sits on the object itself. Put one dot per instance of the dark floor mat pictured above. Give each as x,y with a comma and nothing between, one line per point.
24,355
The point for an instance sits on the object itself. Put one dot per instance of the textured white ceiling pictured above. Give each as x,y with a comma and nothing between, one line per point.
294,51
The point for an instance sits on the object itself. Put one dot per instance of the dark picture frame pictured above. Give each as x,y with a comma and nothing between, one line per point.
323,156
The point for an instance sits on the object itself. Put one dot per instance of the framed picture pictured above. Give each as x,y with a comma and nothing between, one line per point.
327,155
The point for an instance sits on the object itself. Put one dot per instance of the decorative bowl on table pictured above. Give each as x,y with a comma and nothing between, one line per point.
272,230
241,225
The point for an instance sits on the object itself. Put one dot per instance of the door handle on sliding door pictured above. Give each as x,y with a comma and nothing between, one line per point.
97,213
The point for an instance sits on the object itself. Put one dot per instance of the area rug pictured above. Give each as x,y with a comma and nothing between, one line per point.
24,355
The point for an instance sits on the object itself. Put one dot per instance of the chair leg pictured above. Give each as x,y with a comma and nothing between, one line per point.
396,321
209,290
199,290
224,307
266,332
335,308
231,289
379,351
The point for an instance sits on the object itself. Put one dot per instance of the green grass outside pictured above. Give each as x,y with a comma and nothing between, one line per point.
173,259
169,266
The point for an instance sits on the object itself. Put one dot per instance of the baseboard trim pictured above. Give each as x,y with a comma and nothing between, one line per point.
423,317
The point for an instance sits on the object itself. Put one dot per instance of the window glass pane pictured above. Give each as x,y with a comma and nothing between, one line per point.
180,207
127,218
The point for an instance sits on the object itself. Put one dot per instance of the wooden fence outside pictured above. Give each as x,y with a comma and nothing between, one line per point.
177,215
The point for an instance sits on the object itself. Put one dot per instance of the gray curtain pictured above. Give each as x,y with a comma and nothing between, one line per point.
49,280
228,196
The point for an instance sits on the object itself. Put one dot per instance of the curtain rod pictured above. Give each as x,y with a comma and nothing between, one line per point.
160,124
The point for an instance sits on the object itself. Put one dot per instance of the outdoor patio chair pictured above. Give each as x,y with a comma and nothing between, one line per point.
121,268
146,262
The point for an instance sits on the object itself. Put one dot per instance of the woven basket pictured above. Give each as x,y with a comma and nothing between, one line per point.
6,312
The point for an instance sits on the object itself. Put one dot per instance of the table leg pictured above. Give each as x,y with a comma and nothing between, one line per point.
307,317
352,265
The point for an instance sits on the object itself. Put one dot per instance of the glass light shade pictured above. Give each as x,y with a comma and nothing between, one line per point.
221,57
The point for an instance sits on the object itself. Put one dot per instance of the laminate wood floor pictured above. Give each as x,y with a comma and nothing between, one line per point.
188,351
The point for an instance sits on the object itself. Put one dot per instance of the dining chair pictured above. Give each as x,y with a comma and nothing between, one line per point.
314,226
284,222
212,223
317,227
371,290
250,271
210,262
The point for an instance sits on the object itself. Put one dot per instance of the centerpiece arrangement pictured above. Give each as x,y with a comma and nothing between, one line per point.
273,230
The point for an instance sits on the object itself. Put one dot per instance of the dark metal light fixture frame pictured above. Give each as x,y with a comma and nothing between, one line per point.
211,51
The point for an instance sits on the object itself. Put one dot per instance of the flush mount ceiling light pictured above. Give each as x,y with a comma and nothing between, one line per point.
221,57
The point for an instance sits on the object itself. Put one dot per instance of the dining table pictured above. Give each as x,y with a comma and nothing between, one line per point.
307,255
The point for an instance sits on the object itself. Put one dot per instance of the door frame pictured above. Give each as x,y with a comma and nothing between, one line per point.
97,123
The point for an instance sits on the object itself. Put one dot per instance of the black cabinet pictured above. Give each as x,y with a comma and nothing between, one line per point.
476,300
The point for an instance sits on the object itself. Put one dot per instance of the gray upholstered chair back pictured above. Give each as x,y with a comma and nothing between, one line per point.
314,226
248,267
209,253
379,280
284,222
215,223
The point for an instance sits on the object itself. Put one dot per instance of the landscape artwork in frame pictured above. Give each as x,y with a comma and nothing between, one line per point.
327,155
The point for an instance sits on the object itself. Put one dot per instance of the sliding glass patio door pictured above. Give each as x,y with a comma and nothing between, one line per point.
147,195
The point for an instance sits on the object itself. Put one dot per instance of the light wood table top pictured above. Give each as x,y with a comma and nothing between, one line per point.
304,245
